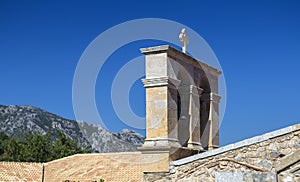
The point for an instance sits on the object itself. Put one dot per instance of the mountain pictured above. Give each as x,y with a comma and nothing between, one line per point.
105,141
17,120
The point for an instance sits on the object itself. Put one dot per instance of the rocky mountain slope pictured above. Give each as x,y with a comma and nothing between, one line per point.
17,120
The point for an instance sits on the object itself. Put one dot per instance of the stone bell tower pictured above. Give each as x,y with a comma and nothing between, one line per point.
182,103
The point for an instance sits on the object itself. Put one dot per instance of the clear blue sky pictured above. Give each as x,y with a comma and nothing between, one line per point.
257,44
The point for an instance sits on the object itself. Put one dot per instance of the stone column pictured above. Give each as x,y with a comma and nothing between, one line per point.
213,121
194,116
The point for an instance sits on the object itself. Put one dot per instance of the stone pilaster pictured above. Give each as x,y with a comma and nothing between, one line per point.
161,112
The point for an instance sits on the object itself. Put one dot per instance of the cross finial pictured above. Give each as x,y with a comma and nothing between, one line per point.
184,39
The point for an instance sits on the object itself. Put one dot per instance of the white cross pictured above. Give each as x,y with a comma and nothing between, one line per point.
184,39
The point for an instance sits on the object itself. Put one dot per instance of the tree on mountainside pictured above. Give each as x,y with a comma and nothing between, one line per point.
3,139
64,147
12,150
37,148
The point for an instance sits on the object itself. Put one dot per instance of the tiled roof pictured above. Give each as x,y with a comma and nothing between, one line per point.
21,171
124,166
88,167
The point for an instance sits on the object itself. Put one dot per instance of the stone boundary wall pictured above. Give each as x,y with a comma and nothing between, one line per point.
254,159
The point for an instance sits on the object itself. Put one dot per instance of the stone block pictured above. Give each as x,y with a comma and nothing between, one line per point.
156,65
228,176
158,162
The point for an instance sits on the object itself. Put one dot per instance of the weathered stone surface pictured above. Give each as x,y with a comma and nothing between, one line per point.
239,158
259,177
273,147
274,154
241,176
156,176
228,176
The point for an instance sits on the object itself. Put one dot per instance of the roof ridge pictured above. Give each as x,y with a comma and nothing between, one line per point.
12,162
92,154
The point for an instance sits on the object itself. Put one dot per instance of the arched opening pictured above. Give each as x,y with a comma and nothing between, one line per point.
183,100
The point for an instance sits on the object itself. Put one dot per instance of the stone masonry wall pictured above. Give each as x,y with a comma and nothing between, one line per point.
254,162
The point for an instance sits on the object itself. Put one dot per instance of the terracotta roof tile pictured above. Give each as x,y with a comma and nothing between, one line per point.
21,171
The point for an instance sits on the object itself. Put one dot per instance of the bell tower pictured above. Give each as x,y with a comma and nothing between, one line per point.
182,103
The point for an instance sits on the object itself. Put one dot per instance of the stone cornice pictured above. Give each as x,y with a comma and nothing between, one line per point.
160,81
174,53
156,49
